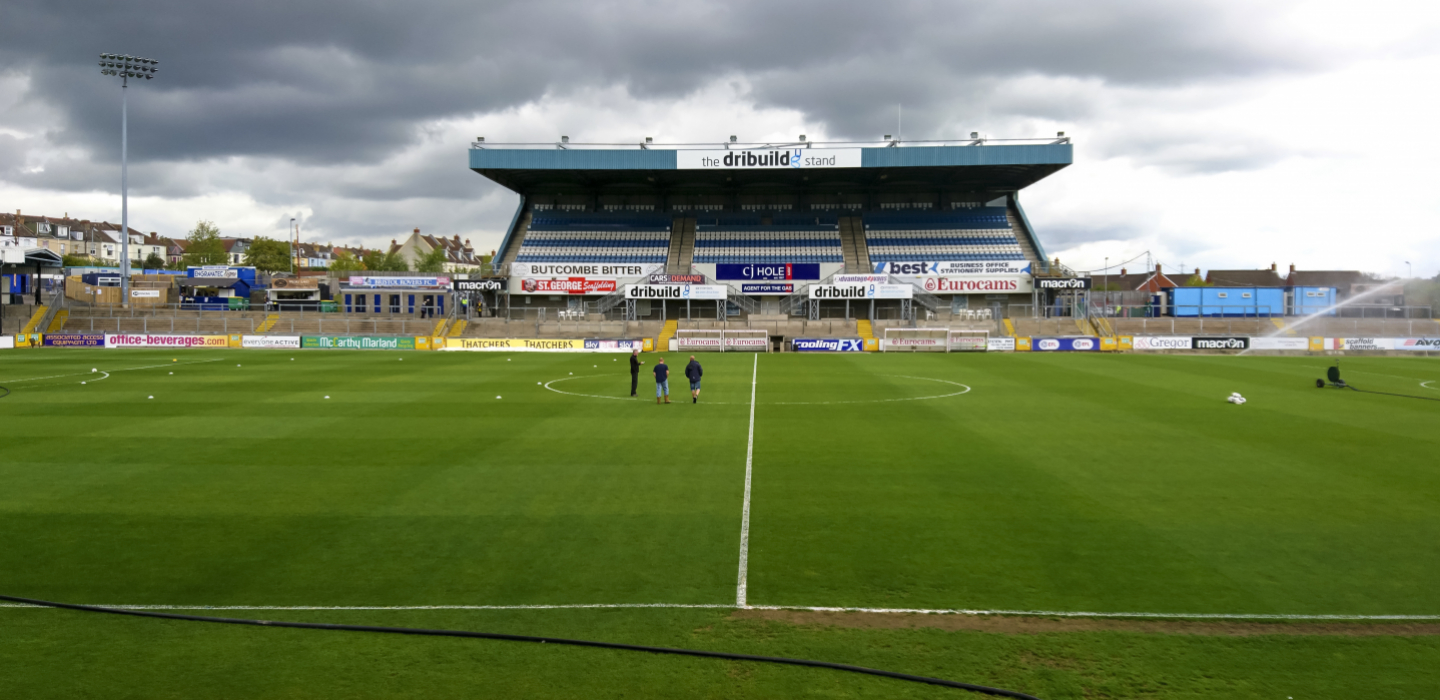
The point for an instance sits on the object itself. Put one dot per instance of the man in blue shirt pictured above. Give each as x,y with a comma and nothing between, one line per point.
693,372
662,381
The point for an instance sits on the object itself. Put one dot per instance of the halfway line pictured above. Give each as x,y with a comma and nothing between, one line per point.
745,511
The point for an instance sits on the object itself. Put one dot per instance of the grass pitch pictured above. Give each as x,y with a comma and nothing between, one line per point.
1018,483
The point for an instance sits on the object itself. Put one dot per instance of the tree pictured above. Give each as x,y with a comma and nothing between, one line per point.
1197,281
433,262
384,262
77,261
203,245
154,262
268,254
345,262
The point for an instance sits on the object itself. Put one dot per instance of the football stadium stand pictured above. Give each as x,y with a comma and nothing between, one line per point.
563,237
965,235
788,238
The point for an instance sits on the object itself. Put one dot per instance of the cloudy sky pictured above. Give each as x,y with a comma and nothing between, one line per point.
1208,134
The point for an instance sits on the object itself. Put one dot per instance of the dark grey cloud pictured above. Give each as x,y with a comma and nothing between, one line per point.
347,82
319,102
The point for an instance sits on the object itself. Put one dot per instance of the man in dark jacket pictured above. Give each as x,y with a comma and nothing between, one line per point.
693,373
635,370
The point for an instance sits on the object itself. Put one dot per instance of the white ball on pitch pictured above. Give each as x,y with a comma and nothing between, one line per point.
572,374
327,397
149,397
237,365
92,369
82,382
497,397
172,373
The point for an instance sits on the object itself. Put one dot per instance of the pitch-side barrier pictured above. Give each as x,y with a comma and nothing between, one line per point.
1139,343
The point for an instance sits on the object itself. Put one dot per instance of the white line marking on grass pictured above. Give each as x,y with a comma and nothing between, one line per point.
1427,385
745,510
127,369
807,608
965,389
577,606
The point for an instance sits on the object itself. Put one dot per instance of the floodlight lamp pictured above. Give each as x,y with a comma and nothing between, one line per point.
480,139
1060,134
649,140
564,139
974,134
802,138
732,139
888,137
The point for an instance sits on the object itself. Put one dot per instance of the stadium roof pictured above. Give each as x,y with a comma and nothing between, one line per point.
975,166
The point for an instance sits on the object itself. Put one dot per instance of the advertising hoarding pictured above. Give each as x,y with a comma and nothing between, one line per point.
680,292
1364,344
1161,342
494,284
1063,283
1000,345
144,294
214,272
143,340
635,271
829,345
1081,344
1299,344
746,342
1418,344
976,284
768,288
956,267
542,345
846,280
858,291
419,282
270,341
73,340
356,342
1221,343
767,158
777,272
569,285
662,278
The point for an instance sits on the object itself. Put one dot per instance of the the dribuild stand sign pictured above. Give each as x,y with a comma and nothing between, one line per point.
356,342
768,159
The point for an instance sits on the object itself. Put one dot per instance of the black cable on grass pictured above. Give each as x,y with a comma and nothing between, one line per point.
1386,393
540,640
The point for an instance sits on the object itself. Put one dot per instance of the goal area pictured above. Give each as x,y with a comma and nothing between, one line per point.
715,340
934,340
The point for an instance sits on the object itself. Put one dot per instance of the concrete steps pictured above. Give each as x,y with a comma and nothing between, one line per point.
852,243
682,246
34,322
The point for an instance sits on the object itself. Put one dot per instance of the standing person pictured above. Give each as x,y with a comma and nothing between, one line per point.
634,371
693,372
662,381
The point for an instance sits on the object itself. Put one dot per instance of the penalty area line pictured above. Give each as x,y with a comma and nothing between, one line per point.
805,608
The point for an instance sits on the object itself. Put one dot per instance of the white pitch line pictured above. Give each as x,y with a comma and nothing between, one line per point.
576,606
1427,385
745,510
965,389
127,369
805,608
